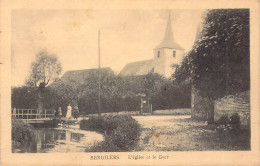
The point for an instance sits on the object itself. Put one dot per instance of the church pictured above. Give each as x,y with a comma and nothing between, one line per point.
167,55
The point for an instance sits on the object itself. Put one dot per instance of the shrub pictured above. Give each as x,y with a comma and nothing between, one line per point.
235,120
229,123
223,120
94,123
121,132
21,133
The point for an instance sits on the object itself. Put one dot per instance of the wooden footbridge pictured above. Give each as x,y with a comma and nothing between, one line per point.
33,116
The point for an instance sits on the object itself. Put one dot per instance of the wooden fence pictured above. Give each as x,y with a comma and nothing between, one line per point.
32,113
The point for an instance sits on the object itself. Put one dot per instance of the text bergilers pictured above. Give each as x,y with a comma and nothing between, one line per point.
105,157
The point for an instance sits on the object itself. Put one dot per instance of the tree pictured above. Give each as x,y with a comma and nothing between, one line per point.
218,64
45,69
24,97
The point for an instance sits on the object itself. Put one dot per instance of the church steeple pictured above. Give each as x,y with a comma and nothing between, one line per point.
168,39
168,53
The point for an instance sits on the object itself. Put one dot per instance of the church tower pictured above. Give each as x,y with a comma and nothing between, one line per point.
167,54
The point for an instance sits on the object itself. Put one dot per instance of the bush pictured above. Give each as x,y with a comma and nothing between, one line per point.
223,120
232,122
121,132
235,120
22,133
94,123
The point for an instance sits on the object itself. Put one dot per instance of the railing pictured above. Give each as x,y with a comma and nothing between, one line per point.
32,113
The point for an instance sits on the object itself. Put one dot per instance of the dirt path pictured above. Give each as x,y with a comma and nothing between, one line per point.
181,133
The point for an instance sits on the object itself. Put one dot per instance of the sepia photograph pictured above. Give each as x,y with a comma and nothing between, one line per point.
130,80
129,83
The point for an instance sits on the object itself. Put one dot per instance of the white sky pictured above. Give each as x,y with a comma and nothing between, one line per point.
72,35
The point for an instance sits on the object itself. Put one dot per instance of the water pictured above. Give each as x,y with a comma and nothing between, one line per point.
48,140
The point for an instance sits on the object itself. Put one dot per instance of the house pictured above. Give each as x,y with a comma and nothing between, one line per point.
80,76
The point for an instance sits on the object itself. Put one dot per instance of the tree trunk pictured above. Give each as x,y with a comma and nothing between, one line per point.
211,112
40,103
40,97
192,101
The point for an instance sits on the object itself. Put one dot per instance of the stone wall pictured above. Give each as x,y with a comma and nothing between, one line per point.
181,111
231,104
199,105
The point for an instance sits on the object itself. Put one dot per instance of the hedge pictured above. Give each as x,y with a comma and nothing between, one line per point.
121,132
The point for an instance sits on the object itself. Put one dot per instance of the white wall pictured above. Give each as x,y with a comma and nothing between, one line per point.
159,63
163,64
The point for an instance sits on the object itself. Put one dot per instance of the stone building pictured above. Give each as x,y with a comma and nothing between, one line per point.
167,55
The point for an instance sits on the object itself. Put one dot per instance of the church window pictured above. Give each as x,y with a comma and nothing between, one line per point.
174,54
158,54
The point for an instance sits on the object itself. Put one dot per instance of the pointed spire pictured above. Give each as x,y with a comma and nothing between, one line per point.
168,40
168,36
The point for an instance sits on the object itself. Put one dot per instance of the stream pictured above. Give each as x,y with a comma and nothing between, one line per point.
61,139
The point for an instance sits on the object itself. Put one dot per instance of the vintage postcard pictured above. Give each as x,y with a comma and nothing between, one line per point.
129,82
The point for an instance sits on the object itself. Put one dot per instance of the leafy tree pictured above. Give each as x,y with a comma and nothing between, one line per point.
218,64
24,97
172,96
45,69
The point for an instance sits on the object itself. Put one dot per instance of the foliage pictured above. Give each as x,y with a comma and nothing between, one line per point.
235,120
223,120
24,97
218,64
120,93
45,69
22,133
121,132
183,72
94,123
172,96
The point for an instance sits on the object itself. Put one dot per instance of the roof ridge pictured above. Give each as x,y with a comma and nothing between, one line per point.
88,69
139,61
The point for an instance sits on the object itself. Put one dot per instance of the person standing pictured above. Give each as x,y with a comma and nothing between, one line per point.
59,113
69,109
76,112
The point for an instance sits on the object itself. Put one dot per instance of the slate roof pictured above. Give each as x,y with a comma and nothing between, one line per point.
137,68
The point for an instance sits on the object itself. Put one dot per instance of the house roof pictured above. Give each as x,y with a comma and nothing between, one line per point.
168,40
137,68
81,75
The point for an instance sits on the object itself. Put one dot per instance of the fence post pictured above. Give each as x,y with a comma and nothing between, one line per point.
151,110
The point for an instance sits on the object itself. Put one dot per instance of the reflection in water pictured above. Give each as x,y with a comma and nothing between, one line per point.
54,140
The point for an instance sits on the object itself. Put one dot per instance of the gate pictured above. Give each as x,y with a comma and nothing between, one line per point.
146,106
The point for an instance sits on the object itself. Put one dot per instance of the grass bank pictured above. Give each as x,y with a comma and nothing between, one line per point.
22,134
